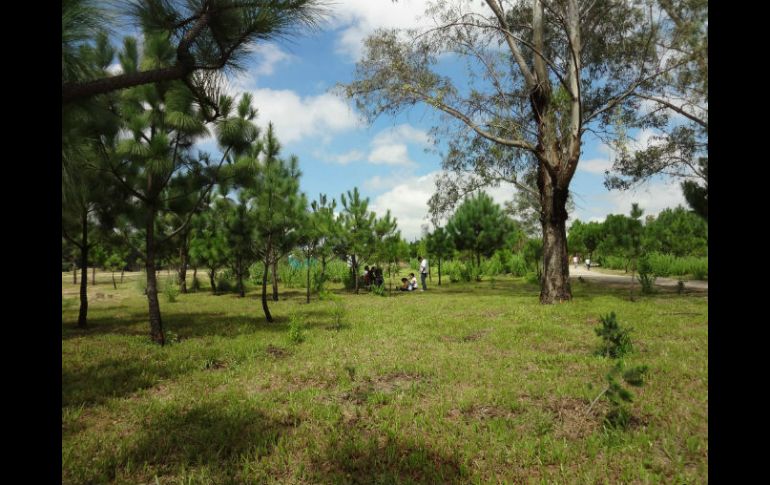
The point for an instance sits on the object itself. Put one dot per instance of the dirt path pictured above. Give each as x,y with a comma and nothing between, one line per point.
595,274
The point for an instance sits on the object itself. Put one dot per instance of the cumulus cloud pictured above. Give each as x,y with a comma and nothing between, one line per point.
653,197
341,158
389,147
297,117
594,165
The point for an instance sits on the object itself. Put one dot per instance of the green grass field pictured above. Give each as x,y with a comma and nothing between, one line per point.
465,383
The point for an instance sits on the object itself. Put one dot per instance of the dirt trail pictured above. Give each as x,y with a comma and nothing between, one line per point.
596,274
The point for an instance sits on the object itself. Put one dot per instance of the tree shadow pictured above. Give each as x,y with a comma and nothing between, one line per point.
357,456
216,435
111,378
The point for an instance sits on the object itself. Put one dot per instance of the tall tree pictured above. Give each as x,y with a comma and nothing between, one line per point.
356,235
564,69
207,36
208,245
164,122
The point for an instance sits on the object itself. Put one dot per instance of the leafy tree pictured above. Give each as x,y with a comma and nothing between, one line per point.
207,36
325,225
163,123
440,246
239,236
356,235
208,244
565,68
584,237
279,209
479,226
678,232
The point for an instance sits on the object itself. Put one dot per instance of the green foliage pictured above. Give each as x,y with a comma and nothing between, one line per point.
141,284
196,284
296,326
379,290
532,278
171,289
479,225
338,313
664,264
618,396
616,341
533,256
256,271
646,275
678,232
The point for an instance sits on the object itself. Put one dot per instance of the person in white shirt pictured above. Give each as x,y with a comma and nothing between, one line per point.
412,282
575,260
423,271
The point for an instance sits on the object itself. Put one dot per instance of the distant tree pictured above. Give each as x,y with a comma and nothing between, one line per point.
678,232
440,246
208,244
356,235
479,226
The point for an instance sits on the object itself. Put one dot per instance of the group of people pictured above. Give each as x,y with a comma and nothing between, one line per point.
576,260
373,276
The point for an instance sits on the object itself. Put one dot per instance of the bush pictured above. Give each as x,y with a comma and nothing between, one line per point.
255,273
646,275
196,284
225,285
171,290
296,334
532,278
293,276
379,290
492,266
518,266
616,340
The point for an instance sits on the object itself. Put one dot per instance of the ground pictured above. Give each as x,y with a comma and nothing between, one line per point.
464,383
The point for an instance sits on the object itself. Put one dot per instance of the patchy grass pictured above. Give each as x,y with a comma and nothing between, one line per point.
465,383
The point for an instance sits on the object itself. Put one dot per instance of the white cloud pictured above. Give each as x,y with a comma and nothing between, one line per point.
390,155
653,197
594,165
342,158
296,118
408,197
389,147
270,55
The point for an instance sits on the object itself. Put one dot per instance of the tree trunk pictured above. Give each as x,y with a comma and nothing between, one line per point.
273,269
308,278
555,286
439,271
93,276
156,325
83,312
268,317
195,274
354,267
114,285
123,270
74,273
239,273
183,268
212,282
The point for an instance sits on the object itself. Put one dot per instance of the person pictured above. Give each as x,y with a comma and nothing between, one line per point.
377,276
588,264
404,284
412,282
575,260
423,271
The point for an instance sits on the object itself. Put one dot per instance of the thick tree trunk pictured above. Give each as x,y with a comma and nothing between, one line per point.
83,312
555,286
212,282
183,268
274,271
156,325
268,317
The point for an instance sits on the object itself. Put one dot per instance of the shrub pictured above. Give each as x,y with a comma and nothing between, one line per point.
171,290
646,276
296,334
532,278
618,415
379,290
616,340
518,266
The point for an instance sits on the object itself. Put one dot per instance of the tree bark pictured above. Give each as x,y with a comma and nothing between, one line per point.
268,317
555,286
122,270
273,269
354,268
83,312
183,266
75,91
195,275
212,282
156,324
74,273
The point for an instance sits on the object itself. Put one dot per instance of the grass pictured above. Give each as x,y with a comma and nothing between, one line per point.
465,383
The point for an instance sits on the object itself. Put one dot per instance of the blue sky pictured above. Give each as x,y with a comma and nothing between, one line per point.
291,82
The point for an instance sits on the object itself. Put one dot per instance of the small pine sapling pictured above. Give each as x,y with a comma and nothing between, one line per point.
616,340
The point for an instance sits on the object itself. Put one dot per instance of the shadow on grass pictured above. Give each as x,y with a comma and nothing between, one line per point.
216,435
359,457
111,378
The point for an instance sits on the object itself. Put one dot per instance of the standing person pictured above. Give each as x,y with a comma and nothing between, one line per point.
588,264
423,271
575,260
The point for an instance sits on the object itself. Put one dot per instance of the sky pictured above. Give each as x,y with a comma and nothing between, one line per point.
291,81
